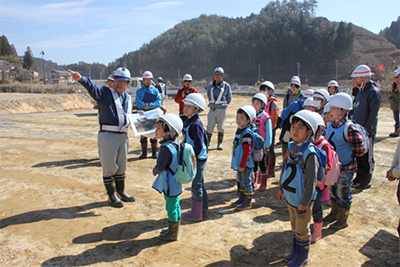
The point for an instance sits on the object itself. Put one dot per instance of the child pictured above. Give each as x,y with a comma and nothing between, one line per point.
320,142
333,87
272,110
263,123
169,127
310,104
193,134
348,146
297,186
242,160
322,96
327,115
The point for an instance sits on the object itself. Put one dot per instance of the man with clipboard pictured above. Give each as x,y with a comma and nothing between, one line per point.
148,98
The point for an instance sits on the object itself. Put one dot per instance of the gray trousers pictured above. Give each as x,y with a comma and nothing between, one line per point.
218,117
113,151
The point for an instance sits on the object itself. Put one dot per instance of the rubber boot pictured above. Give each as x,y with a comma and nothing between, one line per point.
113,199
271,166
264,178
396,132
196,212
301,259
342,221
209,135
220,139
366,183
165,230
246,204
143,143
153,142
290,256
255,180
120,185
317,234
239,201
334,214
172,233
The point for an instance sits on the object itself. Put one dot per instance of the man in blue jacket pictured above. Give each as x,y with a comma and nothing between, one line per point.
366,107
114,107
148,98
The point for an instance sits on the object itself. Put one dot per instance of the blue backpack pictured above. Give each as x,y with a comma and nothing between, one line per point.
187,168
322,160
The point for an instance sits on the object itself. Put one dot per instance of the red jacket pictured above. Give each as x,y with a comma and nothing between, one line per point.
179,98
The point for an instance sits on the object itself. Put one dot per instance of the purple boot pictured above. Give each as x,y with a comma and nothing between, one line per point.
196,213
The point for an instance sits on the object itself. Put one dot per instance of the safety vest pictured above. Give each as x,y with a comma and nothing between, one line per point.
190,141
237,152
336,137
260,121
123,123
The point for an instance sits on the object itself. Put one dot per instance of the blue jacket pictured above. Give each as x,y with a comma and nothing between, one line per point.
193,134
366,107
140,94
213,92
112,112
292,109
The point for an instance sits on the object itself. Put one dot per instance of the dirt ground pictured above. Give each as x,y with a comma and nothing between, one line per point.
54,211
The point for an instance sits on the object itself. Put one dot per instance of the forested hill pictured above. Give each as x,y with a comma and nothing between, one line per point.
274,41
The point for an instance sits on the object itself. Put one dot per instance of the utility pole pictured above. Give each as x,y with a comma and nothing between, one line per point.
90,76
336,61
44,76
298,69
259,76
179,77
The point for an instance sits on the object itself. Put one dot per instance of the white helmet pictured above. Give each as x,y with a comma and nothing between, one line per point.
361,71
268,84
309,93
308,117
320,123
327,108
296,80
160,79
341,100
219,70
187,77
322,94
261,97
111,76
147,74
333,83
397,72
122,74
311,102
250,111
197,100
174,123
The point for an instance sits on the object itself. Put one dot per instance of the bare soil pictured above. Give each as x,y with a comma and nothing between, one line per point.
54,211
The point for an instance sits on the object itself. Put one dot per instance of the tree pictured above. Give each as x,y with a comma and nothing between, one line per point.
5,47
28,59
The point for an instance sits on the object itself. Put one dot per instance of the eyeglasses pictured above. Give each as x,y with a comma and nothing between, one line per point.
119,81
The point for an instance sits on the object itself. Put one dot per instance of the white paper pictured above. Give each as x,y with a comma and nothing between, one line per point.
146,123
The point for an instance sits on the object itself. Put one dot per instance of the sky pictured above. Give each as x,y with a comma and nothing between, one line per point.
103,30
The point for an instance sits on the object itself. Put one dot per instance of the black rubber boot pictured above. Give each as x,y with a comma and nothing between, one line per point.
246,204
172,233
143,143
366,183
153,148
334,214
239,201
209,135
120,184
220,139
113,199
396,132
342,221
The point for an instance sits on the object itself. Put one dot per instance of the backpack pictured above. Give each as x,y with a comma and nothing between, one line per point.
322,160
187,168
332,175
361,128
258,144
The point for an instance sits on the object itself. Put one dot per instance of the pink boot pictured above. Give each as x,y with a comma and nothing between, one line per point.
317,234
264,178
255,180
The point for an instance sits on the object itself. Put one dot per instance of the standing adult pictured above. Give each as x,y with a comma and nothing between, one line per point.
114,107
366,107
148,98
219,96
394,97
162,89
183,92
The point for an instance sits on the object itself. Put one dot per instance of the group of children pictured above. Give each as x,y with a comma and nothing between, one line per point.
319,125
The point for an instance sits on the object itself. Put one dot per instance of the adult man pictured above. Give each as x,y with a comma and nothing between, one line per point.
162,89
183,93
114,107
148,98
219,96
366,107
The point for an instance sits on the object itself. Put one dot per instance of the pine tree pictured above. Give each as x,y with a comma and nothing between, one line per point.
28,59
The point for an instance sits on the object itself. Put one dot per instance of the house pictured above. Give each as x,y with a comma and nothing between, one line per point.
60,77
